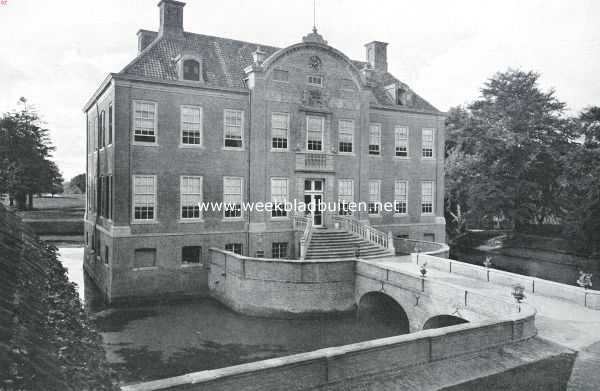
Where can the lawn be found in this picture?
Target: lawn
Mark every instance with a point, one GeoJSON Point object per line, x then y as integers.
{"type": "Point", "coordinates": [70, 206]}
{"type": "Point", "coordinates": [60, 216]}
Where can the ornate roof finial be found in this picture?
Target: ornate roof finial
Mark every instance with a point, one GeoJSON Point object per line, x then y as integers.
{"type": "Point", "coordinates": [258, 55]}
{"type": "Point", "coordinates": [314, 36]}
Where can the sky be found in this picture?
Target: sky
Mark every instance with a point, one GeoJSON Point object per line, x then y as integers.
{"type": "Point", "coordinates": [56, 53]}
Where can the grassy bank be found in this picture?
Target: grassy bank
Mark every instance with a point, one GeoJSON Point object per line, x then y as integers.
{"type": "Point", "coordinates": [58, 216]}
{"type": "Point", "coordinates": [48, 342]}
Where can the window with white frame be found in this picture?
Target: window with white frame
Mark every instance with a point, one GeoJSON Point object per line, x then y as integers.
{"type": "Point", "coordinates": [191, 197]}
{"type": "Point", "coordinates": [279, 250]}
{"type": "Point", "coordinates": [345, 195]}
{"type": "Point", "coordinates": [191, 125]}
{"type": "Point", "coordinates": [401, 140]}
{"type": "Point", "coordinates": [233, 123]}
{"type": "Point", "coordinates": [346, 136]}
{"type": "Point", "coordinates": [279, 195]}
{"type": "Point", "coordinates": [232, 197]}
{"type": "Point", "coordinates": [144, 197]}
{"type": "Point", "coordinates": [144, 122]}
{"type": "Point", "coordinates": [401, 197]}
{"type": "Point", "coordinates": [427, 142]}
{"type": "Point", "coordinates": [427, 197]}
{"type": "Point", "coordinates": [314, 133]}
{"type": "Point", "coordinates": [374, 139]}
{"type": "Point", "coordinates": [315, 80]}
{"type": "Point", "coordinates": [280, 129]}
{"type": "Point", "coordinates": [374, 197]}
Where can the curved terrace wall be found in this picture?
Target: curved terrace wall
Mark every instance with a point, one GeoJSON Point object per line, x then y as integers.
{"type": "Point", "coordinates": [281, 287]}
{"type": "Point", "coordinates": [408, 246]}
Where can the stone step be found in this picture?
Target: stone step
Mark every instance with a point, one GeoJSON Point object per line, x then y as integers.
{"type": "Point", "coordinates": [345, 250]}
{"type": "Point", "coordinates": [347, 256]}
{"type": "Point", "coordinates": [329, 244]}
{"type": "Point", "coordinates": [347, 236]}
{"type": "Point", "coordinates": [351, 252]}
{"type": "Point", "coordinates": [344, 241]}
{"type": "Point", "coordinates": [343, 246]}
{"type": "Point", "coordinates": [333, 236]}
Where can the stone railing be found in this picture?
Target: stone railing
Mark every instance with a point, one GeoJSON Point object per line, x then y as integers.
{"type": "Point", "coordinates": [366, 232]}
{"type": "Point", "coordinates": [304, 224]}
{"type": "Point", "coordinates": [586, 297]}
{"type": "Point", "coordinates": [314, 161]}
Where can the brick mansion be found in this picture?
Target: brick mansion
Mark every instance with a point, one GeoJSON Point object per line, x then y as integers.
{"type": "Point", "coordinates": [195, 118]}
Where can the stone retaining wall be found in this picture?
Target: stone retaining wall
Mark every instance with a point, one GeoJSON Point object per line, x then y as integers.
{"type": "Point", "coordinates": [333, 365]}
{"type": "Point", "coordinates": [281, 287]}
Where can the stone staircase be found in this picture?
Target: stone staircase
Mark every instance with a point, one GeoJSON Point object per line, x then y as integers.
{"type": "Point", "coordinates": [330, 243]}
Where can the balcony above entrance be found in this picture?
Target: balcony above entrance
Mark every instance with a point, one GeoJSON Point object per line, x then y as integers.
{"type": "Point", "coordinates": [314, 162]}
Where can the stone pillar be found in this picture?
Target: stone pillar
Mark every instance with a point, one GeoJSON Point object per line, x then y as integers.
{"type": "Point", "coordinates": [258, 184]}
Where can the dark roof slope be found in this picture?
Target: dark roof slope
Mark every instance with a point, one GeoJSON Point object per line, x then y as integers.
{"type": "Point", "coordinates": [223, 63]}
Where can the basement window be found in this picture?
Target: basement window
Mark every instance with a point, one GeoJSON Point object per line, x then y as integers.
{"type": "Point", "coordinates": [191, 255]}
{"type": "Point", "coordinates": [279, 250]}
{"type": "Point", "coordinates": [144, 258]}
{"type": "Point", "coordinates": [234, 248]}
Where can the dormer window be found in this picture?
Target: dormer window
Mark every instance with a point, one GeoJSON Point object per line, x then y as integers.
{"type": "Point", "coordinates": [399, 94]}
{"type": "Point", "coordinates": [400, 97]}
{"type": "Point", "coordinates": [189, 66]}
{"type": "Point", "coordinates": [191, 70]}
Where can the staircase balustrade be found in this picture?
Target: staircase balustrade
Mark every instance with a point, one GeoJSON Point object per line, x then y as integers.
{"type": "Point", "coordinates": [366, 232]}
{"type": "Point", "coordinates": [305, 225]}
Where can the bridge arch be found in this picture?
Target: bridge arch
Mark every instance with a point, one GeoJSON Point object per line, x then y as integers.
{"type": "Point", "coordinates": [383, 308]}
{"type": "Point", "coordinates": [438, 321]}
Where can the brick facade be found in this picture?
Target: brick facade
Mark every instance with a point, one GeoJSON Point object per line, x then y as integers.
{"type": "Point", "coordinates": [258, 81]}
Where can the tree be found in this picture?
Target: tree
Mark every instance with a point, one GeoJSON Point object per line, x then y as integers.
{"type": "Point", "coordinates": [581, 181]}
{"type": "Point", "coordinates": [53, 180]}
{"type": "Point", "coordinates": [25, 149]}
{"type": "Point", "coordinates": [79, 182]}
{"type": "Point", "coordinates": [504, 152]}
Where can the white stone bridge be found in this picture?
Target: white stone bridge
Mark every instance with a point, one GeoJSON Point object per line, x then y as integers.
{"type": "Point", "coordinates": [459, 326]}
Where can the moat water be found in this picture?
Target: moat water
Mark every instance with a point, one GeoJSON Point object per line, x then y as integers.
{"type": "Point", "coordinates": [565, 273]}
{"type": "Point", "coordinates": [154, 341]}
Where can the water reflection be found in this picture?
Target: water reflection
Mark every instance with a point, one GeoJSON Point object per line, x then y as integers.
{"type": "Point", "coordinates": [153, 341]}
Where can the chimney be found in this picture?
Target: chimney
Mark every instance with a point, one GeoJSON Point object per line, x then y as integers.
{"type": "Point", "coordinates": [377, 55]}
{"type": "Point", "coordinates": [171, 18]}
{"type": "Point", "coordinates": [145, 38]}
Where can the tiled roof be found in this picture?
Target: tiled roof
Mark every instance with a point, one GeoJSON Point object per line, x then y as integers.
{"type": "Point", "coordinates": [223, 63]}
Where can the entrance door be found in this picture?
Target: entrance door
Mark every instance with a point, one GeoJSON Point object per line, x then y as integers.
{"type": "Point", "coordinates": [313, 195]}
